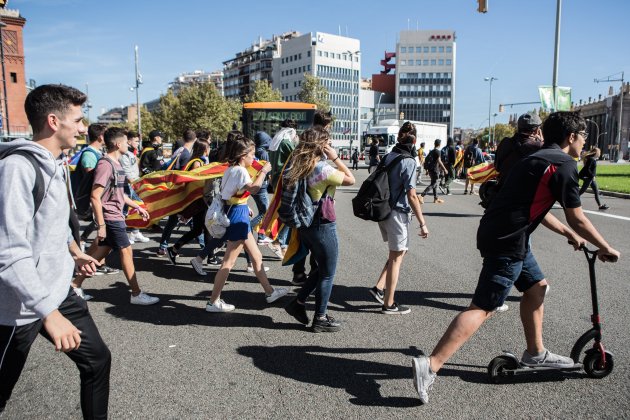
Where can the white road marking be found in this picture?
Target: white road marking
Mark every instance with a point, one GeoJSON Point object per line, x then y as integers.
{"type": "Point", "coordinates": [601, 213]}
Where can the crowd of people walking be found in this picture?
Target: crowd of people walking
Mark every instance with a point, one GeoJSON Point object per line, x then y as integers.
{"type": "Point", "coordinates": [44, 268]}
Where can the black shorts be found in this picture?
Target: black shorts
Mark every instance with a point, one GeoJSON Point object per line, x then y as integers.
{"type": "Point", "coordinates": [116, 232]}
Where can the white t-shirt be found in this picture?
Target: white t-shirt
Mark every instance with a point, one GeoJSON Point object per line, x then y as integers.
{"type": "Point", "coordinates": [234, 179]}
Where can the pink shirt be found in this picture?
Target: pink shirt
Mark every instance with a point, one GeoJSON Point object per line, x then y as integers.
{"type": "Point", "coordinates": [113, 198]}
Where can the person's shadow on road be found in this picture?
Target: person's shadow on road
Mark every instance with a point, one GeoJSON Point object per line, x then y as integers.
{"type": "Point", "coordinates": [172, 311]}
{"type": "Point", "coordinates": [327, 366]}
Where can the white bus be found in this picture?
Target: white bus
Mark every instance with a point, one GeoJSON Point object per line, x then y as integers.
{"type": "Point", "coordinates": [387, 132]}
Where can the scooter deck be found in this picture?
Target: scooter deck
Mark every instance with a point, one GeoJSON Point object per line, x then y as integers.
{"type": "Point", "coordinates": [522, 369]}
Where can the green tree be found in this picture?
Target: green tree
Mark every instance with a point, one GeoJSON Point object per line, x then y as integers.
{"type": "Point", "coordinates": [163, 117]}
{"type": "Point", "coordinates": [313, 92]}
{"type": "Point", "coordinates": [500, 131]}
{"type": "Point", "coordinates": [263, 92]}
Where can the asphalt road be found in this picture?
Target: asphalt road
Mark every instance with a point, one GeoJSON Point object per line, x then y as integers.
{"type": "Point", "coordinates": [174, 360]}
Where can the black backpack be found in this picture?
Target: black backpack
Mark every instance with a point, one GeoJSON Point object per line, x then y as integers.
{"type": "Point", "coordinates": [444, 155]}
{"type": "Point", "coordinates": [372, 200]}
{"type": "Point", "coordinates": [296, 208]}
{"type": "Point", "coordinates": [82, 189]}
{"type": "Point", "coordinates": [430, 161]}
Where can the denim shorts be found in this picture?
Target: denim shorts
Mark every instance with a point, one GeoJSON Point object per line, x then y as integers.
{"type": "Point", "coordinates": [239, 223]}
{"type": "Point", "coordinates": [499, 274]}
{"type": "Point", "coordinates": [116, 235]}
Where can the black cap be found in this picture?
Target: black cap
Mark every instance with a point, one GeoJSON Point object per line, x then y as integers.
{"type": "Point", "coordinates": [155, 133]}
{"type": "Point", "coordinates": [528, 122]}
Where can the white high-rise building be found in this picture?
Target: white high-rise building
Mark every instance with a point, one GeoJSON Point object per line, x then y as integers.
{"type": "Point", "coordinates": [425, 76]}
{"type": "Point", "coordinates": [336, 61]}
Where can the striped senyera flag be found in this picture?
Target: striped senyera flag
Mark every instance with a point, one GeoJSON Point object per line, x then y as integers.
{"type": "Point", "coordinates": [169, 192]}
{"type": "Point", "coordinates": [482, 173]}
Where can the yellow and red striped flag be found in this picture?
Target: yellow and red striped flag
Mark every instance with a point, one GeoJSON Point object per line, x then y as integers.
{"type": "Point", "coordinates": [482, 173]}
{"type": "Point", "coordinates": [169, 192]}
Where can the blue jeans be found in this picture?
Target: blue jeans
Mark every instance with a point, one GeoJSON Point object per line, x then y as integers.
{"type": "Point", "coordinates": [283, 236]}
{"type": "Point", "coordinates": [171, 223]}
{"type": "Point", "coordinates": [262, 204]}
{"type": "Point", "coordinates": [321, 241]}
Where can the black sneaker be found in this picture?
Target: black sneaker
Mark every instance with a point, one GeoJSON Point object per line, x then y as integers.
{"type": "Point", "coordinates": [214, 260]}
{"type": "Point", "coordinates": [297, 311]}
{"type": "Point", "coordinates": [604, 207]}
{"type": "Point", "coordinates": [104, 269]}
{"type": "Point", "coordinates": [326, 324]}
{"type": "Point", "coordinates": [378, 294]}
{"type": "Point", "coordinates": [171, 254]}
{"type": "Point", "coordinates": [395, 309]}
{"type": "Point", "coordinates": [299, 279]}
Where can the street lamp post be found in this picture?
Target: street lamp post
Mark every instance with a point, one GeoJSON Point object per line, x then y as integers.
{"type": "Point", "coordinates": [378, 105]}
{"type": "Point", "coordinates": [138, 83]}
{"type": "Point", "coordinates": [352, 97]}
{"type": "Point", "coordinates": [4, 81]}
{"type": "Point", "coordinates": [490, 79]}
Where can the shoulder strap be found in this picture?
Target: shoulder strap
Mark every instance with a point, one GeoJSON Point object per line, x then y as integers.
{"type": "Point", "coordinates": [146, 149]}
{"type": "Point", "coordinates": [39, 189]}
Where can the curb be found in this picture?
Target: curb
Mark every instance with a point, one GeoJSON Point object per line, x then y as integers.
{"type": "Point", "coordinates": [611, 194]}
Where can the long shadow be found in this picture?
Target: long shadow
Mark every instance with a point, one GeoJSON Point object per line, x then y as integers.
{"type": "Point", "coordinates": [346, 296]}
{"type": "Point", "coordinates": [171, 311]}
{"type": "Point", "coordinates": [326, 366]}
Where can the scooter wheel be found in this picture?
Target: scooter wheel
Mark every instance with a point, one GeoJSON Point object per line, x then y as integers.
{"type": "Point", "coordinates": [592, 368]}
{"type": "Point", "coordinates": [498, 366]}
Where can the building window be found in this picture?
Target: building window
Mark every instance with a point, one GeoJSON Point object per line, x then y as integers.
{"type": "Point", "coordinates": [403, 50]}
{"type": "Point", "coordinates": [433, 49]}
{"type": "Point", "coordinates": [418, 62]}
{"type": "Point", "coordinates": [449, 49]}
{"type": "Point", "coordinates": [426, 49]}
{"type": "Point", "coordinates": [13, 77]}
{"type": "Point", "coordinates": [299, 56]}
{"type": "Point", "coordinates": [403, 62]}
{"type": "Point", "coordinates": [441, 49]}
{"type": "Point", "coordinates": [425, 62]}
{"type": "Point", "coordinates": [319, 53]}
{"type": "Point", "coordinates": [433, 62]}
{"type": "Point", "coordinates": [440, 62]}
{"type": "Point", "coordinates": [309, 67]}
{"type": "Point", "coordinates": [418, 50]}
{"type": "Point", "coordinates": [326, 54]}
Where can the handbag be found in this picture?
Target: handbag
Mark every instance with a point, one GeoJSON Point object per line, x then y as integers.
{"type": "Point", "coordinates": [327, 207]}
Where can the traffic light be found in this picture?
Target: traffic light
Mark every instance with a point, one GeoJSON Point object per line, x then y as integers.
{"type": "Point", "coordinates": [501, 108]}
{"type": "Point", "coordinates": [482, 6]}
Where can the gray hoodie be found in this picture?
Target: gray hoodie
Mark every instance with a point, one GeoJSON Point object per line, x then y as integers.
{"type": "Point", "coordinates": [35, 264]}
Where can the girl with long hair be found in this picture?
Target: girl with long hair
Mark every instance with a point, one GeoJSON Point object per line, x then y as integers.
{"type": "Point", "coordinates": [320, 238]}
{"type": "Point", "coordinates": [587, 175]}
{"type": "Point", "coordinates": [239, 154]}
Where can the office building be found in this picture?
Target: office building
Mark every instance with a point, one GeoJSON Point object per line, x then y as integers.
{"type": "Point", "coordinates": [425, 76]}
{"type": "Point", "coordinates": [336, 61]}
{"type": "Point", "coordinates": [197, 76]}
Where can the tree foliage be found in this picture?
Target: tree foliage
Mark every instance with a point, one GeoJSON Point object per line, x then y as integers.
{"type": "Point", "coordinates": [500, 131]}
{"type": "Point", "coordinates": [313, 92]}
{"type": "Point", "coordinates": [263, 92]}
{"type": "Point", "coordinates": [197, 106]}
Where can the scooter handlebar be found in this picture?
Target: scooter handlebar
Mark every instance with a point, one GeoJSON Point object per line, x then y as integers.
{"type": "Point", "coordinates": [593, 252]}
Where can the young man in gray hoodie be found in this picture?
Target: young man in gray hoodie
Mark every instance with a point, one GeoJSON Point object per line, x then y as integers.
{"type": "Point", "coordinates": [38, 254]}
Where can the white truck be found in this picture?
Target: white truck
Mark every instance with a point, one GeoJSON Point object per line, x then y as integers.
{"type": "Point", "coordinates": [387, 132]}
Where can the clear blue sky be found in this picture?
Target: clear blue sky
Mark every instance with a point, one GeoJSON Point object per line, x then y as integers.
{"type": "Point", "coordinates": [78, 42]}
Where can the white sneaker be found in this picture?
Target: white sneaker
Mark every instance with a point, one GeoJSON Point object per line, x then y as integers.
{"type": "Point", "coordinates": [138, 237]}
{"type": "Point", "coordinates": [277, 249]}
{"type": "Point", "coordinates": [502, 308]}
{"type": "Point", "coordinates": [277, 293]}
{"type": "Point", "coordinates": [198, 266]}
{"type": "Point", "coordinates": [144, 299]}
{"type": "Point", "coordinates": [219, 306]}
{"type": "Point", "coordinates": [250, 269]}
{"type": "Point", "coordinates": [79, 292]}
{"type": "Point", "coordinates": [264, 240]}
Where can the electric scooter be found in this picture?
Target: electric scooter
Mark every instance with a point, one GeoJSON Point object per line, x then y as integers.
{"type": "Point", "coordinates": [597, 363]}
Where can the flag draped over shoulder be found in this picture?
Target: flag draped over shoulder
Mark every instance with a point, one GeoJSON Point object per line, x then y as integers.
{"type": "Point", "coordinates": [169, 192]}
{"type": "Point", "coordinates": [482, 173]}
